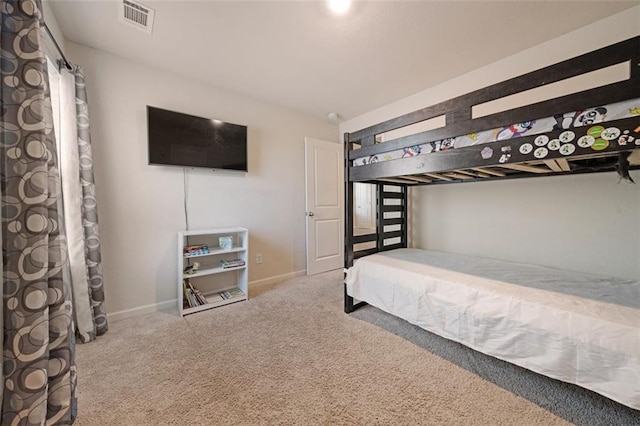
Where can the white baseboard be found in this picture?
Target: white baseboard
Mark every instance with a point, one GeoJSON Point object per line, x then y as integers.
{"type": "Point", "coordinates": [277, 278]}
{"type": "Point", "coordinates": [169, 305]}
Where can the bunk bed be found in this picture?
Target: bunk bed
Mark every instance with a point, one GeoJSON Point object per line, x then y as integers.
{"type": "Point", "coordinates": [575, 327]}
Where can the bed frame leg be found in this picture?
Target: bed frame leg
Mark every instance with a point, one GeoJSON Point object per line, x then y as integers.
{"type": "Point", "coordinates": [348, 302]}
{"type": "Point", "coordinates": [349, 306]}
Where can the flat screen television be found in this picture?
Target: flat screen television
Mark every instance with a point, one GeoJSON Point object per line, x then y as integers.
{"type": "Point", "coordinates": [185, 140]}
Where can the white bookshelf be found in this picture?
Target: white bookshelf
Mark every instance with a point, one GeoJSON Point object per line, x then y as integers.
{"type": "Point", "coordinates": [211, 278]}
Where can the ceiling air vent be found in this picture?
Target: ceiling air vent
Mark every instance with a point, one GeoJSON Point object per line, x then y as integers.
{"type": "Point", "coordinates": [137, 15]}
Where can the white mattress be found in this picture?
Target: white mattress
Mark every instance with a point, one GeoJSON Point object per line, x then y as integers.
{"type": "Point", "coordinates": [574, 327]}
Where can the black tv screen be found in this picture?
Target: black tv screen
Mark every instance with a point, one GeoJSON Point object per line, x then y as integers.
{"type": "Point", "coordinates": [185, 140]}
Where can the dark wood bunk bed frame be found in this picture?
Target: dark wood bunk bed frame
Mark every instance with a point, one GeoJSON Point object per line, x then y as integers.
{"type": "Point", "coordinates": [466, 164]}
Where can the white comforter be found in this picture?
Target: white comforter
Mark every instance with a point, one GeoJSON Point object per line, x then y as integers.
{"type": "Point", "coordinates": [574, 327]}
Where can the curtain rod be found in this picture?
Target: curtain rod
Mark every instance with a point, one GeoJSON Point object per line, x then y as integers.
{"type": "Point", "coordinates": [64, 60]}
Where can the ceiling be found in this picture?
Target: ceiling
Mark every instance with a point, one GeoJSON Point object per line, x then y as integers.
{"type": "Point", "coordinates": [299, 55]}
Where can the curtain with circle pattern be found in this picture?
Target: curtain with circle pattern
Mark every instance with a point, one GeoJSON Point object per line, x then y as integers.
{"type": "Point", "coordinates": [38, 345]}
{"type": "Point", "coordinates": [93, 257]}
{"type": "Point", "coordinates": [81, 215]}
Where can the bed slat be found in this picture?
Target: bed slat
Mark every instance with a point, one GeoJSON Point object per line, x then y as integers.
{"type": "Point", "coordinates": [489, 172]}
{"type": "Point", "coordinates": [420, 179]}
{"type": "Point", "coordinates": [439, 176]}
{"type": "Point", "coordinates": [473, 174]}
{"type": "Point", "coordinates": [564, 164]}
{"type": "Point", "coordinates": [553, 165]}
{"type": "Point", "coordinates": [396, 180]}
{"type": "Point", "coordinates": [526, 168]}
{"type": "Point", "coordinates": [457, 175]}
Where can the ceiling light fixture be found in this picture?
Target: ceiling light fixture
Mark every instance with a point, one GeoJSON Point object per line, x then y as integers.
{"type": "Point", "coordinates": [339, 6]}
{"type": "Point", "coordinates": [333, 116]}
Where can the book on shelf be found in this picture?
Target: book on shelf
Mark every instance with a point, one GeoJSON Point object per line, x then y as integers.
{"type": "Point", "coordinates": [195, 250]}
{"type": "Point", "coordinates": [236, 292]}
{"type": "Point", "coordinates": [216, 297]}
{"type": "Point", "coordinates": [198, 294]}
{"type": "Point", "coordinates": [193, 296]}
{"type": "Point", "coordinates": [230, 294]}
{"type": "Point", "coordinates": [232, 263]}
{"type": "Point", "coordinates": [186, 302]}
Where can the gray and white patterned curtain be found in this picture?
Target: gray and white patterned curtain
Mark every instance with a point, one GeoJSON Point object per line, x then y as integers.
{"type": "Point", "coordinates": [81, 216]}
{"type": "Point", "coordinates": [38, 341]}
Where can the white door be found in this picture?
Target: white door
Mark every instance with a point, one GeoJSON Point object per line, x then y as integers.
{"type": "Point", "coordinates": [324, 205]}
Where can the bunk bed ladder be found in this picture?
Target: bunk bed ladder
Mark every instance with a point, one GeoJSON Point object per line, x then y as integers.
{"type": "Point", "coordinates": [391, 216]}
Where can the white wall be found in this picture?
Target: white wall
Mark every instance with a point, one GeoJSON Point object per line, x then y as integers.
{"type": "Point", "coordinates": [141, 207]}
{"type": "Point", "coordinates": [49, 47]}
{"type": "Point", "coordinates": [588, 223]}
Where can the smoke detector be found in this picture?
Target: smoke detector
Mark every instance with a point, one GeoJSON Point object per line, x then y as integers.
{"type": "Point", "coordinates": [136, 14]}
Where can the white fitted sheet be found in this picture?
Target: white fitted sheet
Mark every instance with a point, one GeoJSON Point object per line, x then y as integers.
{"type": "Point", "coordinates": [575, 327]}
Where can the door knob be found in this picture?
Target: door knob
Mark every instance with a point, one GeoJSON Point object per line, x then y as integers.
{"type": "Point", "coordinates": [310, 214]}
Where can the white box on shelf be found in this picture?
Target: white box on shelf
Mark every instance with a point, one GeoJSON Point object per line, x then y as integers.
{"type": "Point", "coordinates": [225, 243]}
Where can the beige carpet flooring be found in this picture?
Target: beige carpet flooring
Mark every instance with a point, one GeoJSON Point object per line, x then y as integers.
{"type": "Point", "coordinates": [287, 356]}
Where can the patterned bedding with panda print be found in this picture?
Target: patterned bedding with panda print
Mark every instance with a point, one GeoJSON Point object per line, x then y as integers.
{"type": "Point", "coordinates": [562, 121]}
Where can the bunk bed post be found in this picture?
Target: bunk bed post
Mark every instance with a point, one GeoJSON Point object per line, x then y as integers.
{"type": "Point", "coordinates": [380, 216]}
{"type": "Point", "coordinates": [405, 217]}
{"type": "Point", "coordinates": [348, 222]}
